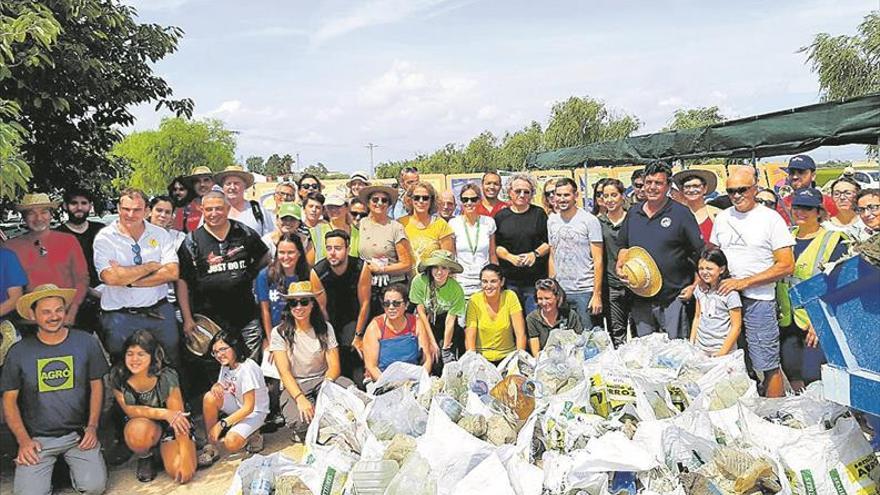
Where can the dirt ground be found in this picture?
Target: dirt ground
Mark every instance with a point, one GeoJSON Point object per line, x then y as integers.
{"type": "Point", "coordinates": [214, 480]}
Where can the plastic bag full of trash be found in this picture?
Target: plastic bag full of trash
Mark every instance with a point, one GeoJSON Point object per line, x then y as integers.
{"type": "Point", "coordinates": [397, 412]}
{"type": "Point", "coordinates": [339, 420]}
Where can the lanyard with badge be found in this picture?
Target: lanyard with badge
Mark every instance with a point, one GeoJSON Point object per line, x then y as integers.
{"type": "Point", "coordinates": [472, 244]}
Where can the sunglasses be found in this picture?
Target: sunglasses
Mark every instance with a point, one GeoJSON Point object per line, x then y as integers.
{"type": "Point", "coordinates": [380, 200]}
{"type": "Point", "coordinates": [392, 304]}
{"type": "Point", "coordinates": [40, 248]}
{"type": "Point", "coordinates": [737, 190]}
{"type": "Point", "coordinates": [421, 198]}
{"type": "Point", "coordinates": [299, 302]}
{"type": "Point", "coordinates": [547, 284]}
{"type": "Point", "coordinates": [136, 249]}
{"type": "Point", "coordinates": [872, 209]}
{"type": "Point", "coordinates": [359, 214]}
{"type": "Point", "coordinates": [469, 199]}
{"type": "Point", "coordinates": [522, 192]}
{"type": "Point", "coordinates": [638, 185]}
{"type": "Point", "coordinates": [309, 186]}
{"type": "Point", "coordinates": [767, 202]}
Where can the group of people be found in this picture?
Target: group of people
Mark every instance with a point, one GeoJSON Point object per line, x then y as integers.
{"type": "Point", "coordinates": [212, 306]}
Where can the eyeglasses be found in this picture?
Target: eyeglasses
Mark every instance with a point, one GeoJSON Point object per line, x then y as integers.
{"type": "Point", "coordinates": [136, 249]}
{"type": "Point", "coordinates": [380, 200]}
{"type": "Point", "coordinates": [359, 214]}
{"type": "Point", "coordinates": [737, 190]}
{"type": "Point", "coordinates": [299, 302]}
{"type": "Point", "coordinates": [522, 192]}
{"type": "Point", "coordinates": [469, 199]}
{"type": "Point", "coordinates": [285, 195]}
{"type": "Point", "coordinates": [843, 194]}
{"type": "Point", "coordinates": [872, 209]}
{"type": "Point", "coordinates": [638, 185]}
{"type": "Point", "coordinates": [309, 186]}
{"type": "Point", "coordinates": [40, 248]}
{"type": "Point", "coordinates": [421, 198]}
{"type": "Point", "coordinates": [769, 203]}
{"type": "Point", "coordinates": [392, 304]}
{"type": "Point", "coordinates": [220, 350]}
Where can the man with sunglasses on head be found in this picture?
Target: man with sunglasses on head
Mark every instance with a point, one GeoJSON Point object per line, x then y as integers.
{"type": "Point", "coordinates": [802, 174]}
{"type": "Point", "coordinates": [136, 260]}
{"type": "Point", "coordinates": [49, 257]}
{"type": "Point", "coordinates": [409, 177]}
{"type": "Point", "coordinates": [758, 246]}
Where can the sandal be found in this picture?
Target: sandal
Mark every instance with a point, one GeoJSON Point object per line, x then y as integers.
{"type": "Point", "coordinates": [146, 469]}
{"type": "Point", "coordinates": [255, 443]}
{"type": "Point", "coordinates": [208, 456]}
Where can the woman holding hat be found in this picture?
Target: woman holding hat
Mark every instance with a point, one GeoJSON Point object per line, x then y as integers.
{"type": "Point", "coordinates": [494, 323]}
{"type": "Point", "coordinates": [305, 351]}
{"type": "Point", "coordinates": [395, 336]}
{"type": "Point", "coordinates": [474, 239]}
{"type": "Point", "coordinates": [426, 232]}
{"type": "Point", "coordinates": [694, 185]}
{"type": "Point", "coordinates": [336, 208]}
{"type": "Point", "coordinates": [440, 301]}
{"type": "Point", "coordinates": [383, 243]}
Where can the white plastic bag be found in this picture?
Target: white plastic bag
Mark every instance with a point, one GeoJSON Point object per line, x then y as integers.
{"type": "Point", "coordinates": [339, 420]}
{"type": "Point", "coordinates": [399, 372]}
{"type": "Point", "coordinates": [396, 412]}
{"type": "Point", "coordinates": [489, 476]}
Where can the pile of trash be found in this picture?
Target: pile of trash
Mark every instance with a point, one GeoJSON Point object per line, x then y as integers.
{"type": "Point", "coordinates": [654, 416]}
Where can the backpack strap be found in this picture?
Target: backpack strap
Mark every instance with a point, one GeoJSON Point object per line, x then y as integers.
{"type": "Point", "coordinates": [258, 214]}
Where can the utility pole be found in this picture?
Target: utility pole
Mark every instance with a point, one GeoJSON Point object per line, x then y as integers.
{"type": "Point", "coordinates": [371, 146]}
{"type": "Point", "coordinates": [296, 163]}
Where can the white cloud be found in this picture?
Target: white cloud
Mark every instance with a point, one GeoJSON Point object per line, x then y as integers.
{"type": "Point", "coordinates": [407, 91]}
{"type": "Point", "coordinates": [274, 32]}
{"type": "Point", "coordinates": [374, 13]}
{"type": "Point", "coordinates": [672, 101]}
{"type": "Point", "coordinates": [226, 108]}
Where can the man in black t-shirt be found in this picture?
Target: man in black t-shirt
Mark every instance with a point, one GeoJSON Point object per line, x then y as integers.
{"type": "Point", "coordinates": [521, 240]}
{"type": "Point", "coordinates": [336, 279]}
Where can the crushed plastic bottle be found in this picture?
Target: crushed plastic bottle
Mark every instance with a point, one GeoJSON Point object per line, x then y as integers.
{"type": "Point", "coordinates": [264, 479]}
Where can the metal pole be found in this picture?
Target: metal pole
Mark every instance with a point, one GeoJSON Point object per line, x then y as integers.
{"type": "Point", "coordinates": [371, 146]}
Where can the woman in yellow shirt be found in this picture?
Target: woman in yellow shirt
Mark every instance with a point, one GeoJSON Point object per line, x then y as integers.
{"type": "Point", "coordinates": [425, 231]}
{"type": "Point", "coordinates": [494, 325]}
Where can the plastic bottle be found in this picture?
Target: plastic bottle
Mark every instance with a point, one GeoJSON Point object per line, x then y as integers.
{"type": "Point", "coordinates": [264, 479]}
{"type": "Point", "coordinates": [372, 477]}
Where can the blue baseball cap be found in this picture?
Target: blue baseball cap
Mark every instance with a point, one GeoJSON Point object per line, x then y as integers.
{"type": "Point", "coordinates": [808, 197]}
{"type": "Point", "coordinates": [801, 162]}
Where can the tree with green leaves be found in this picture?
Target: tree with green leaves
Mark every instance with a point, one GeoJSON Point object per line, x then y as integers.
{"type": "Point", "coordinates": [691, 118]}
{"type": "Point", "coordinates": [74, 97]}
{"type": "Point", "coordinates": [277, 165]}
{"type": "Point", "coordinates": [519, 145]}
{"type": "Point", "coordinates": [847, 66]}
{"type": "Point", "coordinates": [24, 39]}
{"type": "Point", "coordinates": [256, 164]}
{"type": "Point", "coordinates": [155, 157]}
{"type": "Point", "coordinates": [319, 170]}
{"type": "Point", "coordinates": [579, 121]}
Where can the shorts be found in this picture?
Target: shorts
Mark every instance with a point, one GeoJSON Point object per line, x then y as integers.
{"type": "Point", "coordinates": [762, 333]}
{"type": "Point", "coordinates": [250, 424]}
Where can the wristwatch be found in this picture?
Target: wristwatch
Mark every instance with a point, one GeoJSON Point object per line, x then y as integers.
{"type": "Point", "coordinates": [537, 254]}
{"type": "Point", "coordinates": [224, 424]}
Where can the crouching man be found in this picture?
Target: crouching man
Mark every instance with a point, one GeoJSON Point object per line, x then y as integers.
{"type": "Point", "coordinates": [52, 397]}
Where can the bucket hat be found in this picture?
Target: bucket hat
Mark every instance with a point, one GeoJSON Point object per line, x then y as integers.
{"type": "Point", "coordinates": [441, 257]}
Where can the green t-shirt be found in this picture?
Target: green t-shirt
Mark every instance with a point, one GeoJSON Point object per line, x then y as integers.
{"type": "Point", "coordinates": [449, 298]}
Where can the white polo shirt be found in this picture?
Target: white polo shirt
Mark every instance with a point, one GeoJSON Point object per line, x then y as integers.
{"type": "Point", "coordinates": [156, 244]}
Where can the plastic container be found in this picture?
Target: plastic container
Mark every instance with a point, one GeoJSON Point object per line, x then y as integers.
{"type": "Point", "coordinates": [373, 477]}
{"type": "Point", "coordinates": [264, 479]}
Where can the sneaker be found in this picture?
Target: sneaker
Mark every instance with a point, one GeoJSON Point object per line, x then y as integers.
{"type": "Point", "coordinates": [146, 469]}
{"type": "Point", "coordinates": [208, 456]}
{"type": "Point", "coordinates": [255, 443]}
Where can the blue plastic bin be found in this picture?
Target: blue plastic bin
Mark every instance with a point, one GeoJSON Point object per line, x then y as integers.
{"type": "Point", "coordinates": [844, 308]}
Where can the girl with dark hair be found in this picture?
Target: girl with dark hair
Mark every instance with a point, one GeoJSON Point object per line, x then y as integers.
{"type": "Point", "coordinates": [307, 184]}
{"type": "Point", "coordinates": [240, 394]}
{"type": "Point", "coordinates": [305, 351]}
{"type": "Point", "coordinates": [843, 192]}
{"type": "Point", "coordinates": [598, 199]}
{"type": "Point", "coordinates": [148, 392]}
{"type": "Point", "coordinates": [395, 335]}
{"type": "Point", "coordinates": [553, 313]}
{"type": "Point", "coordinates": [494, 324]}
{"type": "Point", "coordinates": [288, 266]}
{"type": "Point", "coordinates": [718, 319]}
{"type": "Point", "coordinates": [616, 298]}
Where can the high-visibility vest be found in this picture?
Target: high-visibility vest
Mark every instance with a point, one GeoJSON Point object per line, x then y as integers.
{"type": "Point", "coordinates": [809, 263]}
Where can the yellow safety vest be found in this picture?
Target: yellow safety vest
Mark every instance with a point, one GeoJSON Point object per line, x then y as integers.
{"type": "Point", "coordinates": [809, 263]}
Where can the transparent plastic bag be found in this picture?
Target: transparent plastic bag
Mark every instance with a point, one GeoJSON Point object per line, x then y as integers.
{"type": "Point", "coordinates": [397, 412]}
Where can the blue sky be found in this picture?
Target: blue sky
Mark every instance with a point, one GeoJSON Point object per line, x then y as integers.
{"type": "Point", "coordinates": [323, 79]}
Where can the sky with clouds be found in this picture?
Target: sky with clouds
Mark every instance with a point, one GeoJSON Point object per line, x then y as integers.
{"type": "Point", "coordinates": [324, 79]}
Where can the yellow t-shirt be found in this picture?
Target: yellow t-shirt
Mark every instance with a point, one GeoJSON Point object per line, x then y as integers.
{"type": "Point", "coordinates": [495, 337]}
{"type": "Point", "coordinates": [425, 241]}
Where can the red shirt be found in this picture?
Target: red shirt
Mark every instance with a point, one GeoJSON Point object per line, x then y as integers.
{"type": "Point", "coordinates": [706, 229]}
{"type": "Point", "coordinates": [188, 218]}
{"type": "Point", "coordinates": [500, 205]}
{"type": "Point", "coordinates": [827, 203]}
{"type": "Point", "coordinates": [62, 262]}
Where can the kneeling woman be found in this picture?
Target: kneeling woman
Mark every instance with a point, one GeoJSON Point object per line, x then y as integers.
{"type": "Point", "coordinates": [553, 313]}
{"type": "Point", "coordinates": [305, 352]}
{"type": "Point", "coordinates": [494, 324]}
{"type": "Point", "coordinates": [240, 394]}
{"type": "Point", "coordinates": [439, 301]}
{"type": "Point", "coordinates": [395, 335]}
{"type": "Point", "coordinates": [149, 394]}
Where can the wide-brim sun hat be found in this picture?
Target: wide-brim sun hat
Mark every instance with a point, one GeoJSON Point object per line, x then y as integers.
{"type": "Point", "coordinates": [235, 171]}
{"type": "Point", "coordinates": [707, 176]}
{"type": "Point", "coordinates": [199, 171]}
{"type": "Point", "coordinates": [36, 200]}
{"type": "Point", "coordinates": [642, 274]}
{"type": "Point", "coordinates": [25, 302]}
{"type": "Point", "coordinates": [364, 194]}
{"type": "Point", "coordinates": [8, 336]}
{"type": "Point", "coordinates": [199, 340]}
{"type": "Point", "coordinates": [299, 289]}
{"type": "Point", "coordinates": [441, 257]}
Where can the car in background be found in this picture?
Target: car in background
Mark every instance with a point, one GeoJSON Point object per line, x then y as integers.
{"type": "Point", "coordinates": [868, 179]}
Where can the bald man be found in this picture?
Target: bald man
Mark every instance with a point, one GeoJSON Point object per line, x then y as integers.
{"type": "Point", "coordinates": [758, 247]}
{"type": "Point", "coordinates": [446, 204]}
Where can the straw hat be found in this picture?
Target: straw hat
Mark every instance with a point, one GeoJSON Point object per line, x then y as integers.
{"type": "Point", "coordinates": [441, 257]}
{"type": "Point", "coordinates": [36, 200]}
{"type": "Point", "coordinates": [199, 340]}
{"type": "Point", "coordinates": [299, 289]}
{"type": "Point", "coordinates": [642, 274]}
{"type": "Point", "coordinates": [199, 171]}
{"type": "Point", "coordinates": [23, 306]}
{"type": "Point", "coordinates": [708, 177]}
{"type": "Point", "coordinates": [8, 336]}
{"type": "Point", "coordinates": [236, 171]}
{"type": "Point", "coordinates": [364, 194]}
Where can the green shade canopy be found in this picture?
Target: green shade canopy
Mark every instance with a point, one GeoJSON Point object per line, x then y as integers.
{"type": "Point", "coordinates": [787, 132]}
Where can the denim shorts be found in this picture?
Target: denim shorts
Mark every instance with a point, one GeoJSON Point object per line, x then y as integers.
{"type": "Point", "coordinates": [762, 333]}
